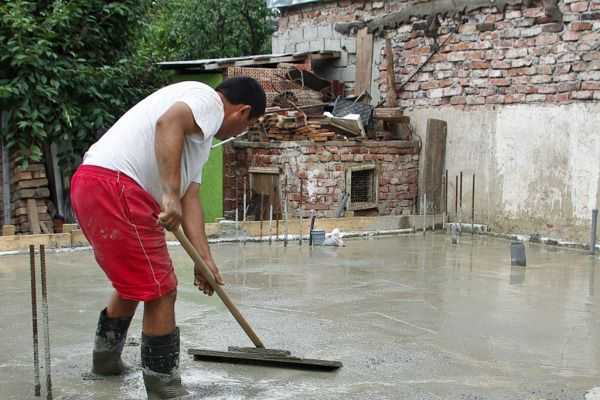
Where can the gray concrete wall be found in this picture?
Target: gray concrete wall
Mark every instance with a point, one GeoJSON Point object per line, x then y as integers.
{"type": "Point", "coordinates": [537, 166]}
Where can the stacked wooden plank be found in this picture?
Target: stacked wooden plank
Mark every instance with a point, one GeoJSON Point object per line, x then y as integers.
{"type": "Point", "coordinates": [30, 196]}
{"type": "Point", "coordinates": [293, 126]}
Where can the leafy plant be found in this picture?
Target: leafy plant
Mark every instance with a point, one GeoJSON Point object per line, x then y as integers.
{"type": "Point", "coordinates": [191, 29]}
{"type": "Point", "coordinates": [67, 72]}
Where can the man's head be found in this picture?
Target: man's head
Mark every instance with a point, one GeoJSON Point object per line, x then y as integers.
{"type": "Point", "coordinates": [244, 102]}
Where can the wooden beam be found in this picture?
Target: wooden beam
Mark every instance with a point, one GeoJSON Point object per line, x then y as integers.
{"type": "Point", "coordinates": [364, 63]}
{"type": "Point", "coordinates": [435, 159]}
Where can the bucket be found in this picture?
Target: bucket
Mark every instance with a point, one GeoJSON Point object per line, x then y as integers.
{"type": "Point", "coordinates": [517, 254]}
{"type": "Point", "coordinates": [317, 237]}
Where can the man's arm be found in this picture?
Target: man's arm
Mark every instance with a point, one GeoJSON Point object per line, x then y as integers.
{"type": "Point", "coordinates": [193, 226]}
{"type": "Point", "coordinates": [171, 129]}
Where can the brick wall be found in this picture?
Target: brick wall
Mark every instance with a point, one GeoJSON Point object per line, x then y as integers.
{"type": "Point", "coordinates": [517, 55]}
{"type": "Point", "coordinates": [322, 169]}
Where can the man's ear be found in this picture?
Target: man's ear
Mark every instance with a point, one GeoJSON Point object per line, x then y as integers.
{"type": "Point", "coordinates": [245, 111]}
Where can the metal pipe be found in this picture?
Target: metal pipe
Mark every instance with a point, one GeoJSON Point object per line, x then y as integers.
{"type": "Point", "coordinates": [300, 209]}
{"type": "Point", "coordinates": [460, 197]}
{"type": "Point", "coordinates": [271, 223]}
{"type": "Point", "coordinates": [594, 227]}
{"type": "Point", "coordinates": [473, 207]}
{"type": "Point", "coordinates": [446, 200]}
{"type": "Point", "coordinates": [456, 199]}
{"type": "Point", "coordinates": [34, 324]}
{"type": "Point", "coordinates": [244, 210]}
{"type": "Point", "coordinates": [46, 323]}
{"type": "Point", "coordinates": [424, 213]}
{"type": "Point", "coordinates": [285, 206]}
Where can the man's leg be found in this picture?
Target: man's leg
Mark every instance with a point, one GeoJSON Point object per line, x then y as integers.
{"type": "Point", "coordinates": [160, 349]}
{"type": "Point", "coordinates": [159, 315]}
{"type": "Point", "coordinates": [111, 333]}
{"type": "Point", "coordinates": [119, 308]}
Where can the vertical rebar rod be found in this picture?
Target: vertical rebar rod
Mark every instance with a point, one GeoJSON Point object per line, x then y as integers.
{"type": "Point", "coordinates": [424, 213]}
{"type": "Point", "coordinates": [244, 210]}
{"type": "Point", "coordinates": [446, 196]}
{"type": "Point", "coordinates": [46, 323]}
{"type": "Point", "coordinates": [261, 215]}
{"type": "Point", "coordinates": [285, 206]}
{"type": "Point", "coordinates": [271, 223]}
{"type": "Point", "coordinates": [237, 224]}
{"type": "Point", "coordinates": [300, 210]}
{"type": "Point", "coordinates": [460, 193]}
{"type": "Point", "coordinates": [34, 324]}
{"type": "Point", "coordinates": [456, 199]}
{"type": "Point", "coordinates": [473, 208]}
{"type": "Point", "coordinates": [594, 227]}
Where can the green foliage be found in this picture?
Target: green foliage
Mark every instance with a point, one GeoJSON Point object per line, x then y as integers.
{"type": "Point", "coordinates": [70, 68]}
{"type": "Point", "coordinates": [66, 72]}
{"type": "Point", "coordinates": [192, 29]}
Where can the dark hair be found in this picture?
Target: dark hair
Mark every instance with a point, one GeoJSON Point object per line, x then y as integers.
{"type": "Point", "coordinates": [245, 90]}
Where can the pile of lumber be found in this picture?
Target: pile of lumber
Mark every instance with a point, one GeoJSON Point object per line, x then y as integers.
{"type": "Point", "coordinates": [293, 125]}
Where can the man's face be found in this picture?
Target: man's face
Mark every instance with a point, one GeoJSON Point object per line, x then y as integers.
{"type": "Point", "coordinates": [240, 121]}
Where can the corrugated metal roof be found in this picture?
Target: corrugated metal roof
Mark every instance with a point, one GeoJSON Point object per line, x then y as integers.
{"type": "Point", "coordinates": [288, 3]}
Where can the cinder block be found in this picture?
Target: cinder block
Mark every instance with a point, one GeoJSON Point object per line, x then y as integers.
{"type": "Point", "coordinates": [302, 46]}
{"type": "Point", "coordinates": [333, 44]}
{"type": "Point", "coordinates": [310, 32]}
{"type": "Point", "coordinates": [296, 35]}
{"type": "Point", "coordinates": [349, 73]}
{"type": "Point", "coordinates": [349, 44]}
{"type": "Point", "coordinates": [290, 47]}
{"type": "Point", "coordinates": [277, 45]}
{"type": "Point", "coordinates": [325, 31]}
{"type": "Point", "coordinates": [318, 44]}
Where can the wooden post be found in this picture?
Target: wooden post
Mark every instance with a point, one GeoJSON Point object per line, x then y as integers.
{"type": "Point", "coordinates": [364, 62]}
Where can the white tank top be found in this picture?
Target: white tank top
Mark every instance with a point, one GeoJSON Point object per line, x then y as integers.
{"type": "Point", "coordinates": [128, 146]}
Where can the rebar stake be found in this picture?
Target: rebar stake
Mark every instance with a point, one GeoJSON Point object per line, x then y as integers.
{"type": "Point", "coordinates": [46, 323]}
{"type": "Point", "coordinates": [34, 323]}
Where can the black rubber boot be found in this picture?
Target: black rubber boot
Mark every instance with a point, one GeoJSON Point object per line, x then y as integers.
{"type": "Point", "coordinates": [160, 366]}
{"type": "Point", "coordinates": [108, 346]}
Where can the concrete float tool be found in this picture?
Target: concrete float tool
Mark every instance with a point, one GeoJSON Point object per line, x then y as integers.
{"type": "Point", "coordinates": [258, 355]}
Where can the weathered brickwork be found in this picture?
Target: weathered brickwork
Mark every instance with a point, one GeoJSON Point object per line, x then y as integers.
{"type": "Point", "coordinates": [322, 170]}
{"type": "Point", "coordinates": [489, 56]}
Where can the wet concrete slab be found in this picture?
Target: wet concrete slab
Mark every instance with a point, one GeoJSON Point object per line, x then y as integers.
{"type": "Point", "coordinates": [410, 318]}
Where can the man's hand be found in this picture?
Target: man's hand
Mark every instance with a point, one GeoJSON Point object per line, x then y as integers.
{"type": "Point", "coordinates": [201, 283]}
{"type": "Point", "coordinates": [171, 215]}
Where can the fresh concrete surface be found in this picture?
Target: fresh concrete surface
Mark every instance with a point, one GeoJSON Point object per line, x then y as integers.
{"type": "Point", "coordinates": [410, 318]}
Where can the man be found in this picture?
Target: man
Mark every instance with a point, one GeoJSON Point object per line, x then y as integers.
{"type": "Point", "coordinates": [143, 176]}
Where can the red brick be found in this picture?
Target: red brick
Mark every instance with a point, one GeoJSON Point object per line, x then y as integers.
{"type": "Point", "coordinates": [580, 6]}
{"type": "Point", "coordinates": [570, 36]}
{"type": "Point", "coordinates": [590, 86]}
{"type": "Point", "coordinates": [582, 95]}
{"type": "Point", "coordinates": [580, 26]}
{"type": "Point", "coordinates": [546, 38]}
{"type": "Point", "coordinates": [458, 100]}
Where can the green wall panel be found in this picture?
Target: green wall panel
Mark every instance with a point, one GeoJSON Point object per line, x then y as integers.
{"type": "Point", "coordinates": [211, 192]}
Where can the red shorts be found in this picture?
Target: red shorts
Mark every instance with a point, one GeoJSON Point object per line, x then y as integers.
{"type": "Point", "coordinates": [119, 219]}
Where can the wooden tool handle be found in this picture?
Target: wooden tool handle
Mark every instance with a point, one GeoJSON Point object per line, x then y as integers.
{"type": "Point", "coordinates": [207, 274]}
